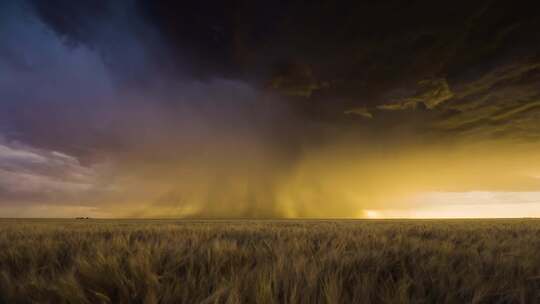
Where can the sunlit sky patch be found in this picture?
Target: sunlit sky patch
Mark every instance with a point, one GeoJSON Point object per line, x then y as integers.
{"type": "Point", "coordinates": [474, 204]}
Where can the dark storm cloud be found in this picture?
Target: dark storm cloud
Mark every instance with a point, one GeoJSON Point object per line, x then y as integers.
{"type": "Point", "coordinates": [366, 55]}
{"type": "Point", "coordinates": [501, 102]}
{"type": "Point", "coordinates": [474, 65]}
{"type": "Point", "coordinates": [384, 55]}
{"type": "Point", "coordinates": [112, 29]}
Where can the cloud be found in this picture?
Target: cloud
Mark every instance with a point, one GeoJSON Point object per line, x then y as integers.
{"type": "Point", "coordinates": [360, 111]}
{"type": "Point", "coordinates": [430, 93]}
{"type": "Point", "coordinates": [10, 156]}
{"type": "Point", "coordinates": [503, 101]}
{"type": "Point", "coordinates": [30, 175]}
{"type": "Point", "coordinates": [295, 79]}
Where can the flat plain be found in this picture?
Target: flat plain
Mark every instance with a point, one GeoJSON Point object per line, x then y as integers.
{"type": "Point", "coordinates": [269, 261]}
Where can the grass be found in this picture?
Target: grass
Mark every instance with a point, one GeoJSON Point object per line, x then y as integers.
{"type": "Point", "coordinates": [102, 261]}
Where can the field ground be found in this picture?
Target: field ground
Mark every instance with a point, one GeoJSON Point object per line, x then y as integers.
{"type": "Point", "coordinates": [365, 261]}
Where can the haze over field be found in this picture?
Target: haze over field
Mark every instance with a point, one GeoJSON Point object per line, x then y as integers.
{"type": "Point", "coordinates": [264, 109]}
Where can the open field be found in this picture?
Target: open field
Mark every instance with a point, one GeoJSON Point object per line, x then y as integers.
{"type": "Point", "coordinates": [166, 261]}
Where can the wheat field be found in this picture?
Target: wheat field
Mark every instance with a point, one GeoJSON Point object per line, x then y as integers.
{"type": "Point", "coordinates": [248, 261]}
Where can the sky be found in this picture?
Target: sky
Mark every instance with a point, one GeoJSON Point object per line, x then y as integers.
{"type": "Point", "coordinates": [269, 109]}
